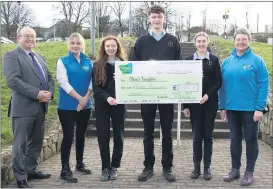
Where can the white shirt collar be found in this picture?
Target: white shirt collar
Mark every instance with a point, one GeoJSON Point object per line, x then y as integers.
{"type": "Point", "coordinates": [195, 56]}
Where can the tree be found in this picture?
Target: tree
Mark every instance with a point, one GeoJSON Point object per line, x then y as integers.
{"type": "Point", "coordinates": [75, 13]}
{"type": "Point", "coordinates": [213, 27]}
{"type": "Point", "coordinates": [118, 9]}
{"type": "Point", "coordinates": [179, 27]}
{"type": "Point", "coordinates": [232, 29]}
{"type": "Point", "coordinates": [196, 29]}
{"type": "Point", "coordinates": [10, 15]}
{"type": "Point", "coordinates": [102, 16]}
{"type": "Point", "coordinates": [247, 24]}
{"type": "Point", "coordinates": [204, 17]}
{"type": "Point", "coordinates": [188, 26]}
{"type": "Point", "coordinates": [140, 22]}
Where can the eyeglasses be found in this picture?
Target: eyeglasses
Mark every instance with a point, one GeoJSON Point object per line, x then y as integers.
{"type": "Point", "coordinates": [28, 36]}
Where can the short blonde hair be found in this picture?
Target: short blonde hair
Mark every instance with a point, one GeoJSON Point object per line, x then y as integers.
{"type": "Point", "coordinates": [242, 31]}
{"type": "Point", "coordinates": [79, 37]}
{"type": "Point", "coordinates": [201, 34]}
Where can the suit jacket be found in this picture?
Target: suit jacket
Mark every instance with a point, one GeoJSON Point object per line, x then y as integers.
{"type": "Point", "coordinates": [24, 81]}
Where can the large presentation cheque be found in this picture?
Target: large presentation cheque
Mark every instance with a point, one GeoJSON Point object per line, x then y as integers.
{"type": "Point", "coordinates": [144, 82]}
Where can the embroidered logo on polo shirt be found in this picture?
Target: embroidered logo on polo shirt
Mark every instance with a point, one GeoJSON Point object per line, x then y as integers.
{"type": "Point", "coordinates": [210, 62]}
{"type": "Point", "coordinates": [170, 44]}
{"type": "Point", "coordinates": [246, 66]}
{"type": "Point", "coordinates": [85, 68]}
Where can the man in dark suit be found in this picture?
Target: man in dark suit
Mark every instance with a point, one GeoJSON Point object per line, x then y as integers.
{"type": "Point", "coordinates": [32, 86]}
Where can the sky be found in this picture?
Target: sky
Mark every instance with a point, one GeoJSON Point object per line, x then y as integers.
{"type": "Point", "coordinates": [45, 14]}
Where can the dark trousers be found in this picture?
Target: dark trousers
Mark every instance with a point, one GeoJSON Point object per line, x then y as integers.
{"type": "Point", "coordinates": [239, 121]}
{"type": "Point", "coordinates": [202, 119]}
{"type": "Point", "coordinates": [28, 137]}
{"type": "Point", "coordinates": [148, 112]}
{"type": "Point", "coordinates": [68, 118]}
{"type": "Point", "coordinates": [103, 113]}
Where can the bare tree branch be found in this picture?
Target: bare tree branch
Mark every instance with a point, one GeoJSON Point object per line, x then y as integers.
{"type": "Point", "coordinates": [75, 14]}
{"type": "Point", "coordinates": [118, 9]}
{"type": "Point", "coordinates": [11, 18]}
{"type": "Point", "coordinates": [103, 12]}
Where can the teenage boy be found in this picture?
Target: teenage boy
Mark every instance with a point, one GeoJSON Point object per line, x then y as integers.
{"type": "Point", "coordinates": [157, 45]}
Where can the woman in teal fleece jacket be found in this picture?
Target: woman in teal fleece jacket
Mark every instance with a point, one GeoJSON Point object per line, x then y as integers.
{"type": "Point", "coordinates": [243, 97]}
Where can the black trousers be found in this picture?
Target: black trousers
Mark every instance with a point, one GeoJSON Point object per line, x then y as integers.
{"type": "Point", "coordinates": [103, 113]}
{"type": "Point", "coordinates": [68, 118]}
{"type": "Point", "coordinates": [202, 119]}
{"type": "Point", "coordinates": [148, 112]}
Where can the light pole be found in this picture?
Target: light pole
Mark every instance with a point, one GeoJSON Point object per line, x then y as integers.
{"type": "Point", "coordinates": [19, 6]}
{"type": "Point", "coordinates": [225, 17]}
{"type": "Point", "coordinates": [92, 30]}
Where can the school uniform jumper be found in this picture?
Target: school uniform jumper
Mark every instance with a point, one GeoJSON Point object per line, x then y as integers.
{"type": "Point", "coordinates": [104, 112]}
{"type": "Point", "coordinates": [202, 116]}
{"type": "Point", "coordinates": [149, 47]}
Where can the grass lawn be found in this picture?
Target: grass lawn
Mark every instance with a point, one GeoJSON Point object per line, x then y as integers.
{"type": "Point", "coordinates": [51, 51]}
{"type": "Point", "coordinates": [262, 49]}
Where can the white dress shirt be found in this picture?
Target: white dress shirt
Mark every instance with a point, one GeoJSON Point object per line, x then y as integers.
{"type": "Point", "coordinates": [62, 78]}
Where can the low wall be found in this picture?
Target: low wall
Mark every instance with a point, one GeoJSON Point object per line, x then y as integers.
{"type": "Point", "coordinates": [266, 125]}
{"type": "Point", "coordinates": [51, 146]}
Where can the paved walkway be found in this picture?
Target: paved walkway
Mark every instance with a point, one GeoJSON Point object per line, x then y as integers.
{"type": "Point", "coordinates": [132, 166]}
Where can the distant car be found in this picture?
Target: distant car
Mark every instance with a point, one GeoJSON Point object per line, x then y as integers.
{"type": "Point", "coordinates": [38, 39]}
{"type": "Point", "coordinates": [56, 39]}
{"type": "Point", "coordinates": [6, 40]}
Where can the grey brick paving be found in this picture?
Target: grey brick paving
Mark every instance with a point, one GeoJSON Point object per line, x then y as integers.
{"type": "Point", "coordinates": [132, 165]}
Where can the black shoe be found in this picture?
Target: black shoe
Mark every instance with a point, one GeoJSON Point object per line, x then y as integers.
{"type": "Point", "coordinates": [82, 168]}
{"type": "Point", "coordinates": [146, 174]}
{"type": "Point", "coordinates": [207, 174]}
{"type": "Point", "coordinates": [105, 175]}
{"type": "Point", "coordinates": [23, 184]}
{"type": "Point", "coordinates": [195, 173]}
{"type": "Point", "coordinates": [113, 173]}
{"type": "Point", "coordinates": [67, 175]}
{"type": "Point", "coordinates": [168, 174]}
{"type": "Point", "coordinates": [38, 175]}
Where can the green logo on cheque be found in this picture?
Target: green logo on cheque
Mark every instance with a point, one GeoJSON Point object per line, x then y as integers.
{"type": "Point", "coordinates": [126, 69]}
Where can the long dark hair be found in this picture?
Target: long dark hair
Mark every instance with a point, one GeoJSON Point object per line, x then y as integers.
{"type": "Point", "coordinates": [100, 71]}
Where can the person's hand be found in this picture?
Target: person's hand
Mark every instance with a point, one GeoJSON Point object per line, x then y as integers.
{"type": "Point", "coordinates": [111, 101]}
{"type": "Point", "coordinates": [83, 101]}
{"type": "Point", "coordinates": [187, 112]}
{"type": "Point", "coordinates": [204, 99]}
{"type": "Point", "coordinates": [224, 115]}
{"type": "Point", "coordinates": [44, 96]}
{"type": "Point", "coordinates": [79, 107]}
{"type": "Point", "coordinates": [257, 116]}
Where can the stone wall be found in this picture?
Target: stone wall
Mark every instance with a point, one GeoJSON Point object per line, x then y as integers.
{"type": "Point", "coordinates": [51, 146]}
{"type": "Point", "coordinates": [266, 125]}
